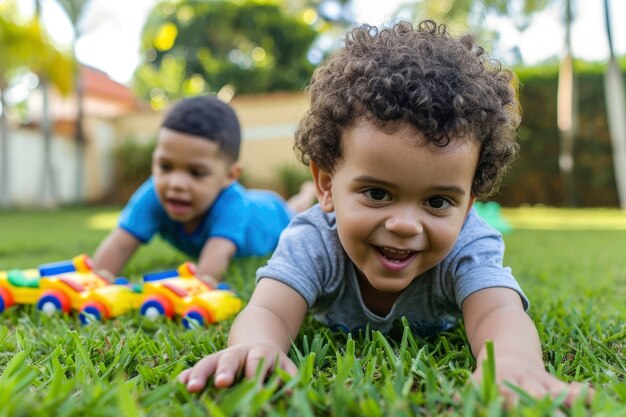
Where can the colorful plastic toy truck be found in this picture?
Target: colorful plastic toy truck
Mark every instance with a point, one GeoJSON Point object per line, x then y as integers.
{"type": "Point", "coordinates": [65, 286]}
{"type": "Point", "coordinates": [179, 292]}
{"type": "Point", "coordinates": [19, 287]}
{"type": "Point", "coordinates": [74, 285]}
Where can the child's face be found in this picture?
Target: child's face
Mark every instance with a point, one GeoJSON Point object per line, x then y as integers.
{"type": "Point", "coordinates": [399, 202]}
{"type": "Point", "coordinates": [189, 172]}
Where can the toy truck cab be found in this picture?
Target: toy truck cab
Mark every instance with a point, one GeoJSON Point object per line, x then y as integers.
{"type": "Point", "coordinates": [179, 292]}
{"type": "Point", "coordinates": [64, 284]}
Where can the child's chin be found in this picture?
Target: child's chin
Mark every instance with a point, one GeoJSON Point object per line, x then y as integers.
{"type": "Point", "coordinates": [179, 217]}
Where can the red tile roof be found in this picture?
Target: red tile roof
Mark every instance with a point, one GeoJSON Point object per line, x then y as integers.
{"type": "Point", "coordinates": [97, 83]}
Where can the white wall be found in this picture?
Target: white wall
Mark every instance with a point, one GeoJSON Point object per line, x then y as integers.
{"type": "Point", "coordinates": [26, 158]}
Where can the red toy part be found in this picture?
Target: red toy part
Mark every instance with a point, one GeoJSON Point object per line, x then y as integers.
{"type": "Point", "coordinates": [156, 305]}
{"type": "Point", "coordinates": [54, 300]}
{"type": "Point", "coordinates": [82, 263]}
{"type": "Point", "coordinates": [6, 299]}
{"type": "Point", "coordinates": [187, 270]}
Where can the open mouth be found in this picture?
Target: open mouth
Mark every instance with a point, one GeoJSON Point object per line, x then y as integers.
{"type": "Point", "coordinates": [177, 206]}
{"type": "Point", "coordinates": [395, 255]}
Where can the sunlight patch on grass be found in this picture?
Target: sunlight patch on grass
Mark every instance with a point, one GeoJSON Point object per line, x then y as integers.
{"type": "Point", "coordinates": [549, 218]}
{"type": "Point", "coordinates": [103, 221]}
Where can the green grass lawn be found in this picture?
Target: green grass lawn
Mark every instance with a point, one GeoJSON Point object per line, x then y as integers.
{"type": "Point", "coordinates": [575, 278]}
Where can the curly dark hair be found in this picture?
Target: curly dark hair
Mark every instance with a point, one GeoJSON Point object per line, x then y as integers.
{"type": "Point", "coordinates": [445, 87]}
{"type": "Point", "coordinates": [207, 117]}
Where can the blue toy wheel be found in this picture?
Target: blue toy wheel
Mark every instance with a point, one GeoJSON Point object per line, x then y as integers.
{"type": "Point", "coordinates": [53, 302]}
{"type": "Point", "coordinates": [90, 313]}
{"type": "Point", "coordinates": [156, 306]}
{"type": "Point", "coordinates": [196, 317]}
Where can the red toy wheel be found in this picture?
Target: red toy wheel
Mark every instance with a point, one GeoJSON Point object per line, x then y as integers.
{"type": "Point", "coordinates": [157, 305]}
{"type": "Point", "coordinates": [54, 301]}
{"type": "Point", "coordinates": [6, 299]}
{"type": "Point", "coordinates": [197, 317]}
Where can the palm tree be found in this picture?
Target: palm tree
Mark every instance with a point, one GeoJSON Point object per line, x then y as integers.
{"type": "Point", "coordinates": [49, 63]}
{"type": "Point", "coordinates": [616, 112]}
{"type": "Point", "coordinates": [75, 10]}
{"type": "Point", "coordinates": [24, 46]}
{"type": "Point", "coordinates": [11, 38]}
{"type": "Point", "coordinates": [567, 113]}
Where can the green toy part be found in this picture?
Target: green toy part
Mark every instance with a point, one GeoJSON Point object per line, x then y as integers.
{"type": "Point", "coordinates": [490, 211]}
{"type": "Point", "coordinates": [18, 278]}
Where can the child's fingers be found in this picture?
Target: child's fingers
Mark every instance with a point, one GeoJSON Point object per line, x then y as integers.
{"type": "Point", "coordinates": [183, 377]}
{"type": "Point", "coordinates": [287, 365]}
{"type": "Point", "coordinates": [258, 357]}
{"type": "Point", "coordinates": [226, 370]}
{"type": "Point", "coordinates": [576, 389]}
{"type": "Point", "coordinates": [195, 378]}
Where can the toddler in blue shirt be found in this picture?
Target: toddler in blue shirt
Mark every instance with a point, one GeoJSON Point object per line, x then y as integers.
{"type": "Point", "coordinates": [193, 199]}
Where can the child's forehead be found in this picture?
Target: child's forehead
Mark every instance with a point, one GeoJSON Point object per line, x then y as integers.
{"type": "Point", "coordinates": [171, 143]}
{"type": "Point", "coordinates": [393, 128]}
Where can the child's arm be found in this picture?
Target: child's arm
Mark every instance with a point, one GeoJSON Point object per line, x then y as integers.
{"type": "Point", "coordinates": [114, 251]}
{"type": "Point", "coordinates": [497, 314]}
{"type": "Point", "coordinates": [215, 258]}
{"type": "Point", "coordinates": [262, 332]}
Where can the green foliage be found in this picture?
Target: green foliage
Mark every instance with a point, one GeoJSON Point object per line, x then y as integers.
{"type": "Point", "coordinates": [132, 160]}
{"type": "Point", "coordinates": [291, 176]}
{"type": "Point", "coordinates": [27, 45]}
{"type": "Point", "coordinates": [193, 47]}
{"type": "Point", "coordinates": [535, 176]}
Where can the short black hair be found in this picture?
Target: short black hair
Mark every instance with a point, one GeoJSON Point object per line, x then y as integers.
{"type": "Point", "coordinates": [207, 117]}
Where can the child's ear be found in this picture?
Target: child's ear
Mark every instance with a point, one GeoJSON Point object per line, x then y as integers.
{"type": "Point", "coordinates": [234, 171]}
{"type": "Point", "coordinates": [323, 187]}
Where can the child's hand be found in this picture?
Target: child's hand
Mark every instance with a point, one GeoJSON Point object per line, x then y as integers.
{"type": "Point", "coordinates": [106, 275]}
{"type": "Point", "coordinates": [225, 365]}
{"type": "Point", "coordinates": [531, 377]}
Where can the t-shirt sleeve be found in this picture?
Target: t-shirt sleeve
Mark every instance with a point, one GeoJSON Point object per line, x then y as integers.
{"type": "Point", "coordinates": [141, 216]}
{"type": "Point", "coordinates": [477, 264]}
{"type": "Point", "coordinates": [303, 260]}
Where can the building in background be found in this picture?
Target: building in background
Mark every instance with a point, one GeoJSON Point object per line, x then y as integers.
{"type": "Point", "coordinates": [112, 114]}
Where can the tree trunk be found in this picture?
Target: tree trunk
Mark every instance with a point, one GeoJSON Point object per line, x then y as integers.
{"type": "Point", "coordinates": [616, 113]}
{"type": "Point", "coordinates": [80, 135]}
{"type": "Point", "coordinates": [48, 192]}
{"type": "Point", "coordinates": [567, 115]}
{"type": "Point", "coordinates": [4, 154]}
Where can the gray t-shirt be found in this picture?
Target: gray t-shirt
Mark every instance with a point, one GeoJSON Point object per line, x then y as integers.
{"type": "Point", "coordinates": [310, 259]}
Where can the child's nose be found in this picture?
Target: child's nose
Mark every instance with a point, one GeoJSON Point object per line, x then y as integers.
{"type": "Point", "coordinates": [404, 222]}
{"type": "Point", "coordinates": [178, 180]}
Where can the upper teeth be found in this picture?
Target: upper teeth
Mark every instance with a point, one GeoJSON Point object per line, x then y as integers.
{"type": "Point", "coordinates": [390, 250]}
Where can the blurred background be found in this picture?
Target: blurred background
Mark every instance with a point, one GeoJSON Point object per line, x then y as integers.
{"type": "Point", "coordinates": [84, 83]}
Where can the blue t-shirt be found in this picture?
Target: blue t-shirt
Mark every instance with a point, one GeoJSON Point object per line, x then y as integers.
{"type": "Point", "coordinates": [310, 259]}
{"type": "Point", "coordinates": [251, 219]}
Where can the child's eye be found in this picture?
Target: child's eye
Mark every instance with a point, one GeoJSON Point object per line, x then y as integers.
{"type": "Point", "coordinates": [198, 174]}
{"type": "Point", "coordinates": [438, 203]}
{"type": "Point", "coordinates": [164, 166]}
{"type": "Point", "coordinates": [377, 194]}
